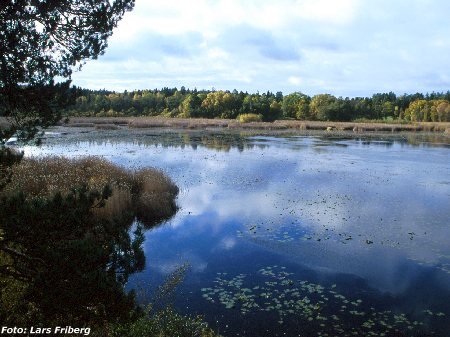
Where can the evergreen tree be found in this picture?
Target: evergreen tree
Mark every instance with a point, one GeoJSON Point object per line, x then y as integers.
{"type": "Point", "coordinates": [40, 40]}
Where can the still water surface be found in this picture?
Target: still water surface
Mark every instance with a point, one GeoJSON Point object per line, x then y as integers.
{"type": "Point", "coordinates": [295, 236]}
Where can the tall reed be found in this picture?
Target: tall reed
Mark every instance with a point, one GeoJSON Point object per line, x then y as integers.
{"type": "Point", "coordinates": [148, 193]}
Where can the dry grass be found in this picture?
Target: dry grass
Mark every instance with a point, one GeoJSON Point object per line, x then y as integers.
{"type": "Point", "coordinates": [204, 123]}
{"type": "Point", "coordinates": [183, 123]}
{"type": "Point", "coordinates": [111, 123]}
{"type": "Point", "coordinates": [97, 120]}
{"type": "Point", "coordinates": [363, 127]}
{"type": "Point", "coordinates": [155, 197]}
{"type": "Point", "coordinates": [45, 176]}
{"type": "Point", "coordinates": [149, 193]}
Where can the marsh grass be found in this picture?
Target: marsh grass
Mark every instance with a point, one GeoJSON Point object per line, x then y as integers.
{"type": "Point", "coordinates": [183, 123]}
{"type": "Point", "coordinates": [252, 122]}
{"type": "Point", "coordinates": [155, 195]}
{"type": "Point", "coordinates": [97, 120]}
{"type": "Point", "coordinates": [148, 193]}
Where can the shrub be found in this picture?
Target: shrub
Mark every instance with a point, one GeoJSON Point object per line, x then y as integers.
{"type": "Point", "coordinates": [248, 118]}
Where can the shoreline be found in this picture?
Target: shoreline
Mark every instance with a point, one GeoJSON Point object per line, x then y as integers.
{"type": "Point", "coordinates": [108, 126]}
{"type": "Point", "coordinates": [112, 123]}
{"type": "Point", "coordinates": [231, 124]}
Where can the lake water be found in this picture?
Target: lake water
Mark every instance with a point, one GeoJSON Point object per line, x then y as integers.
{"type": "Point", "coordinates": [298, 235]}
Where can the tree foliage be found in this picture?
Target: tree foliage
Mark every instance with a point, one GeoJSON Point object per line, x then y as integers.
{"type": "Point", "coordinates": [428, 110]}
{"type": "Point", "coordinates": [296, 106]}
{"type": "Point", "coordinates": [58, 263]}
{"type": "Point", "coordinates": [71, 266]}
{"type": "Point", "coordinates": [40, 40]}
{"type": "Point", "coordinates": [230, 104]}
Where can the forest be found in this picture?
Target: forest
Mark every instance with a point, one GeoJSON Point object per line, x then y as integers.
{"type": "Point", "coordinates": [185, 103]}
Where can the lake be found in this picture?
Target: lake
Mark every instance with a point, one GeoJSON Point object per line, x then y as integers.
{"type": "Point", "coordinates": [295, 235]}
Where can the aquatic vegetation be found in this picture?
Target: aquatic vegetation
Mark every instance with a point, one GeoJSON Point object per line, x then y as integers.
{"type": "Point", "coordinates": [148, 192]}
{"type": "Point", "coordinates": [362, 217]}
{"type": "Point", "coordinates": [324, 308]}
{"type": "Point", "coordinates": [155, 197]}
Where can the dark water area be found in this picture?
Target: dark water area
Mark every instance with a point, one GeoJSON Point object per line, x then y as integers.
{"type": "Point", "coordinates": [295, 235]}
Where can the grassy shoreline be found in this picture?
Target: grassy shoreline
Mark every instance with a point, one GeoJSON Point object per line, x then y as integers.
{"type": "Point", "coordinates": [201, 123]}
{"type": "Point", "coordinates": [112, 123]}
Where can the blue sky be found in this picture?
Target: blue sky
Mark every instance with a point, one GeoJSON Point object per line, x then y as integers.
{"type": "Point", "coordinates": [343, 47]}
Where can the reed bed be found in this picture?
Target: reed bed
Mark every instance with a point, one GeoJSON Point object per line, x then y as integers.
{"type": "Point", "coordinates": [364, 126]}
{"type": "Point", "coordinates": [148, 193]}
{"type": "Point", "coordinates": [204, 123]}
{"type": "Point", "coordinates": [184, 123]}
{"type": "Point", "coordinates": [112, 123]}
{"type": "Point", "coordinates": [97, 120]}
{"type": "Point", "coordinates": [156, 196]}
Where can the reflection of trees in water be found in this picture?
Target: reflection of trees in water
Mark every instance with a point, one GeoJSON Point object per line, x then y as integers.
{"type": "Point", "coordinates": [214, 141]}
{"type": "Point", "coordinates": [226, 140]}
{"type": "Point", "coordinates": [65, 258]}
{"type": "Point", "coordinates": [410, 139]}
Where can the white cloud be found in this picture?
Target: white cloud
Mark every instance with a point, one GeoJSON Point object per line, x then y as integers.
{"type": "Point", "coordinates": [345, 47]}
{"type": "Point", "coordinates": [294, 80]}
{"type": "Point", "coordinates": [328, 11]}
{"type": "Point", "coordinates": [218, 53]}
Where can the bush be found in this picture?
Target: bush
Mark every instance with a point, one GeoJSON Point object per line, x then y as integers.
{"type": "Point", "coordinates": [248, 118]}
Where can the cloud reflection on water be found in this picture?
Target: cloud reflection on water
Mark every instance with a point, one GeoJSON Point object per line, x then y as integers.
{"type": "Point", "coordinates": [373, 193]}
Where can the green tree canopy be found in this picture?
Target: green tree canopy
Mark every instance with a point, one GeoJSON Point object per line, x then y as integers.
{"type": "Point", "coordinates": [296, 105]}
{"type": "Point", "coordinates": [321, 106]}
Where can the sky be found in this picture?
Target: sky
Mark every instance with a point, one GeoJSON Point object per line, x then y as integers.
{"type": "Point", "coordinates": [342, 47]}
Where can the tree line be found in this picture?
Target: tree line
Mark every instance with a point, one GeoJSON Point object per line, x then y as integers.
{"type": "Point", "coordinates": [185, 103]}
